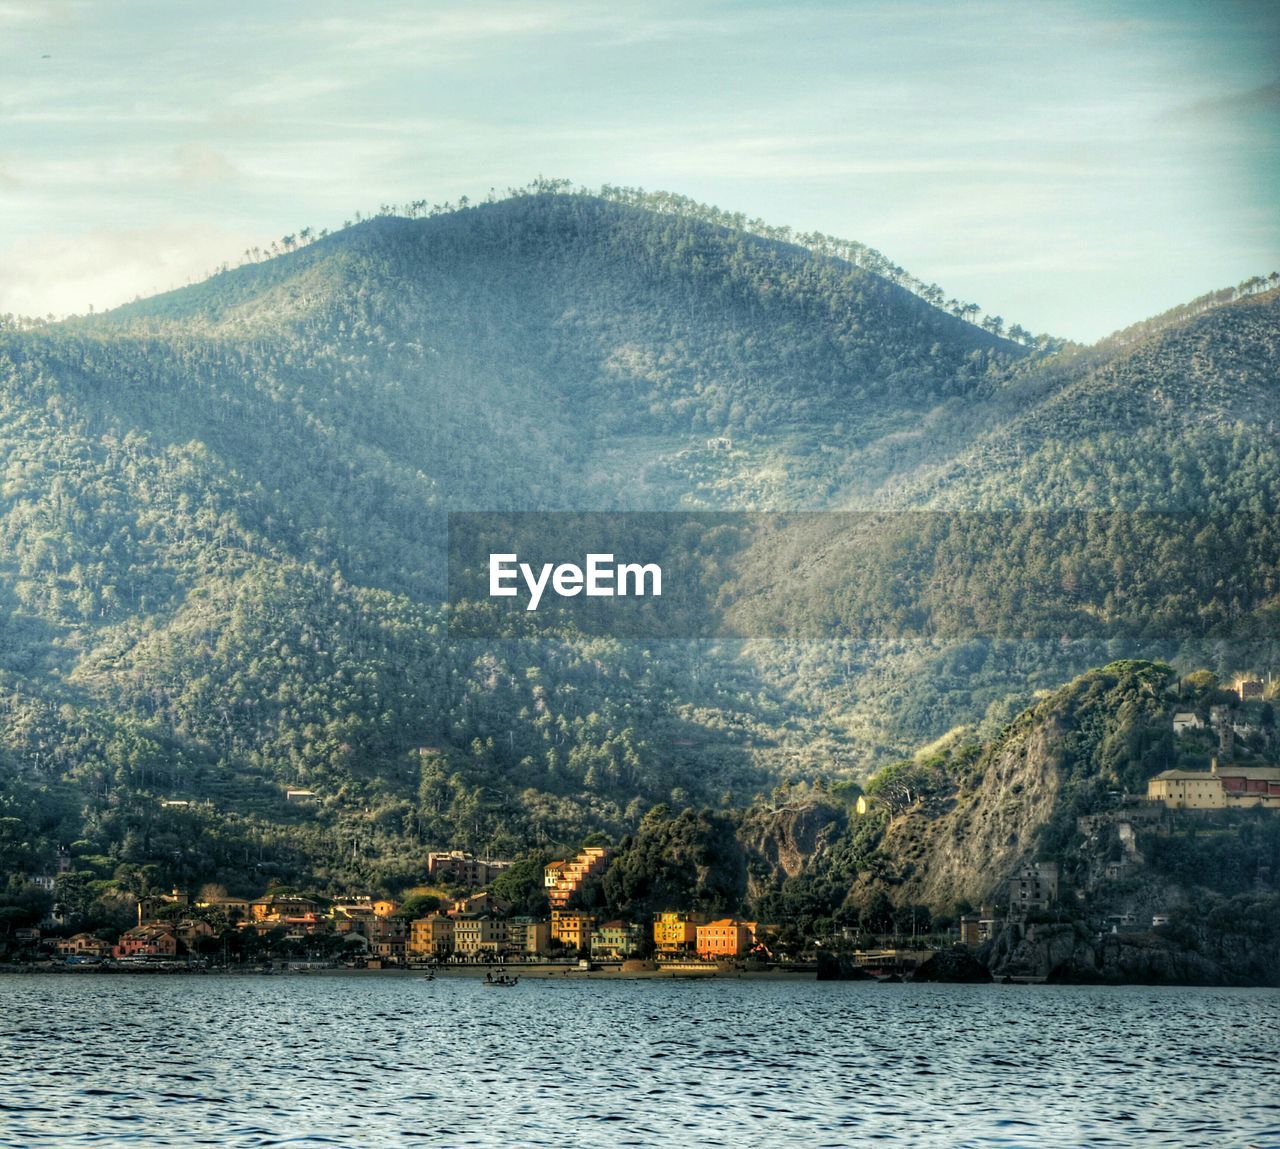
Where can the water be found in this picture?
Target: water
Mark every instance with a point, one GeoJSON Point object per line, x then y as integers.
{"type": "Point", "coordinates": [373, 1062]}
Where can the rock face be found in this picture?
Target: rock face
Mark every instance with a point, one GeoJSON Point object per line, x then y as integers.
{"type": "Point", "coordinates": [977, 824]}
{"type": "Point", "coordinates": [986, 828]}
{"type": "Point", "coordinates": [1069, 954]}
{"type": "Point", "coordinates": [788, 838]}
{"type": "Point", "coordinates": [954, 965]}
{"type": "Point", "coordinates": [840, 967]}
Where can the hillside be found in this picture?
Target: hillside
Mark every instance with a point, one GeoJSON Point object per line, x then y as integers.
{"type": "Point", "coordinates": [222, 513]}
{"type": "Point", "coordinates": [944, 832]}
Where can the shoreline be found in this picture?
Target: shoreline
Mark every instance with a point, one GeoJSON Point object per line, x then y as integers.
{"type": "Point", "coordinates": [542, 971]}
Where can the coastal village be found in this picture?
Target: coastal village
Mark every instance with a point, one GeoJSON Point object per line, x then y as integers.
{"type": "Point", "coordinates": [457, 919]}
{"type": "Point", "coordinates": [375, 933]}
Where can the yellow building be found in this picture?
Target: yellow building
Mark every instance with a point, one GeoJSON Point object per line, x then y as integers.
{"type": "Point", "coordinates": [572, 929]}
{"type": "Point", "coordinates": [236, 909]}
{"type": "Point", "coordinates": [479, 935]}
{"type": "Point", "coordinates": [1223, 787]}
{"type": "Point", "coordinates": [430, 937]}
{"type": "Point", "coordinates": [675, 932]}
{"type": "Point", "coordinates": [276, 907]}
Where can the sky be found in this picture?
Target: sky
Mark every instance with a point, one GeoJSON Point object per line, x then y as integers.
{"type": "Point", "coordinates": [1071, 166]}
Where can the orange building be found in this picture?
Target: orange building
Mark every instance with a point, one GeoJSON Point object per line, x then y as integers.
{"type": "Point", "coordinates": [675, 932]}
{"type": "Point", "coordinates": [573, 929]}
{"type": "Point", "coordinates": [726, 937]}
{"type": "Point", "coordinates": [564, 879]}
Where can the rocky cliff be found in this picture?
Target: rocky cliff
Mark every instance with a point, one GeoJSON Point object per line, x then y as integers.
{"type": "Point", "coordinates": [958, 827]}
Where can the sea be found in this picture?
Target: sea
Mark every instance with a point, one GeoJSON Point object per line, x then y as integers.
{"type": "Point", "coordinates": [373, 1061]}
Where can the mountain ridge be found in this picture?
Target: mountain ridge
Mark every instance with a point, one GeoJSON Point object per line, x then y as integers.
{"type": "Point", "coordinates": [220, 544]}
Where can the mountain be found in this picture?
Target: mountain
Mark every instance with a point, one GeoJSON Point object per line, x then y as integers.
{"type": "Point", "coordinates": [941, 834]}
{"type": "Point", "coordinates": [222, 517]}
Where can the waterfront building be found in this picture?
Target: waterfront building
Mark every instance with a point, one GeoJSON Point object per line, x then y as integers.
{"type": "Point", "coordinates": [615, 941]}
{"type": "Point", "coordinates": [527, 936]}
{"type": "Point", "coordinates": [676, 932]}
{"type": "Point", "coordinates": [82, 945]}
{"type": "Point", "coordinates": [725, 937]}
{"type": "Point", "coordinates": [152, 939]}
{"type": "Point", "coordinates": [431, 937]}
{"type": "Point", "coordinates": [1034, 887]}
{"type": "Point", "coordinates": [573, 929]}
{"type": "Point", "coordinates": [475, 934]}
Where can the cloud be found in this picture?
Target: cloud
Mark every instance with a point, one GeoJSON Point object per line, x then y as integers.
{"type": "Point", "coordinates": [36, 11]}
{"type": "Point", "coordinates": [200, 166]}
{"type": "Point", "coordinates": [66, 274]}
{"type": "Point", "coordinates": [445, 29]}
{"type": "Point", "coordinates": [1263, 99]}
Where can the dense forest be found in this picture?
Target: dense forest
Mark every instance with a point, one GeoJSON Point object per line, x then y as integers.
{"type": "Point", "coordinates": [223, 518]}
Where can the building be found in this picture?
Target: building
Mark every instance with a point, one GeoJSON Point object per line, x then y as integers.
{"type": "Point", "coordinates": [155, 939]}
{"type": "Point", "coordinates": [616, 941]}
{"type": "Point", "coordinates": [1186, 720]}
{"type": "Point", "coordinates": [279, 907]}
{"type": "Point", "coordinates": [83, 945]}
{"type": "Point", "coordinates": [676, 932]}
{"type": "Point", "coordinates": [478, 934]}
{"type": "Point", "coordinates": [191, 931]}
{"type": "Point", "coordinates": [483, 902]}
{"type": "Point", "coordinates": [150, 907]}
{"type": "Point", "coordinates": [461, 869]}
{"type": "Point", "coordinates": [564, 879]}
{"type": "Point", "coordinates": [724, 938]}
{"type": "Point", "coordinates": [431, 937]}
{"type": "Point", "coordinates": [969, 931]}
{"type": "Point", "coordinates": [388, 939]}
{"type": "Point", "coordinates": [1034, 887]}
{"type": "Point", "coordinates": [1223, 787]}
{"type": "Point", "coordinates": [573, 929]}
{"type": "Point", "coordinates": [235, 909]}
{"type": "Point", "coordinates": [527, 936]}
{"type": "Point", "coordinates": [1250, 689]}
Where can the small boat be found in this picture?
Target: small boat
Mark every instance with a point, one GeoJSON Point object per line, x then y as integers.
{"type": "Point", "coordinates": [501, 980]}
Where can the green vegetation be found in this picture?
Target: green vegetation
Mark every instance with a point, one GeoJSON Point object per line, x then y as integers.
{"type": "Point", "coordinates": [222, 549]}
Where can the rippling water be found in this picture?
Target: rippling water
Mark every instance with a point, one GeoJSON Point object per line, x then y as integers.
{"type": "Point", "coordinates": [368, 1062]}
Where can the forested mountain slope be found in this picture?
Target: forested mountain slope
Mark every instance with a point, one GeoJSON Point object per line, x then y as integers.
{"type": "Point", "coordinates": [222, 512]}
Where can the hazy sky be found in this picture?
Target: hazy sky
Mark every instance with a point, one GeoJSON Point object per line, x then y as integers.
{"type": "Point", "coordinates": [1071, 166]}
